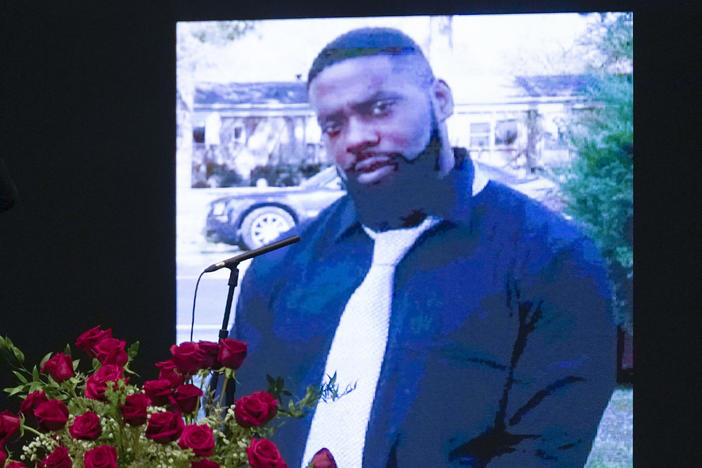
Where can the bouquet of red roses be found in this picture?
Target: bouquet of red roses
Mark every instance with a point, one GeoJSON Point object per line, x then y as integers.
{"type": "Point", "coordinates": [101, 419]}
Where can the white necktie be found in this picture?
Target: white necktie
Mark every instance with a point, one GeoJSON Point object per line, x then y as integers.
{"type": "Point", "coordinates": [357, 351]}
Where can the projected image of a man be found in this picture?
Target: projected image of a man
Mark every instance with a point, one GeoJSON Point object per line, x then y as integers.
{"type": "Point", "coordinates": [474, 323]}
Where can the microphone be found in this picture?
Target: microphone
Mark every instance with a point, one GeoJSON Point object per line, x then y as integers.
{"type": "Point", "coordinates": [230, 262]}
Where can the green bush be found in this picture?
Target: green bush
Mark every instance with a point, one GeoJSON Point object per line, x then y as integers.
{"type": "Point", "coordinates": [597, 187]}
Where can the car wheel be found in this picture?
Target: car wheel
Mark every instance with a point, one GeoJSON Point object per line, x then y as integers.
{"type": "Point", "coordinates": [264, 225]}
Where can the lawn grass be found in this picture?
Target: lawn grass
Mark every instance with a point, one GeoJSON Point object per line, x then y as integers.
{"type": "Point", "coordinates": [614, 443]}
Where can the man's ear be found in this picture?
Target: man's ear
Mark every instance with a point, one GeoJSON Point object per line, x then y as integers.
{"type": "Point", "coordinates": [443, 99]}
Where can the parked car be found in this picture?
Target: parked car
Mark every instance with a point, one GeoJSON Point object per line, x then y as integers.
{"type": "Point", "coordinates": [255, 217]}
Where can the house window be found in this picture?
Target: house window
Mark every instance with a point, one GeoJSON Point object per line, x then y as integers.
{"type": "Point", "coordinates": [480, 134]}
{"type": "Point", "coordinates": [239, 134]}
{"type": "Point", "coordinates": [506, 132]}
{"type": "Point", "coordinates": [199, 134]}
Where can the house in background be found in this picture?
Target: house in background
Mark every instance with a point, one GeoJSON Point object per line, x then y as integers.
{"type": "Point", "coordinates": [519, 124]}
{"type": "Point", "coordinates": [244, 131]}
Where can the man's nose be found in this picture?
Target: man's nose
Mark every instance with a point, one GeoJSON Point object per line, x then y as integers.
{"type": "Point", "coordinates": [360, 135]}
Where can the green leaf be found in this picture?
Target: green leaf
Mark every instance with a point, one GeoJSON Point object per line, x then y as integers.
{"type": "Point", "coordinates": [21, 378]}
{"type": "Point", "coordinates": [14, 391]}
{"type": "Point", "coordinates": [133, 350]}
{"type": "Point", "coordinates": [18, 354]}
{"type": "Point", "coordinates": [68, 349]}
{"type": "Point", "coordinates": [44, 359]}
{"type": "Point", "coordinates": [11, 353]}
{"type": "Point", "coordinates": [35, 374]}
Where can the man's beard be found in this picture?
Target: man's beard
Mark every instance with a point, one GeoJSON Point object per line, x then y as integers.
{"type": "Point", "coordinates": [403, 199]}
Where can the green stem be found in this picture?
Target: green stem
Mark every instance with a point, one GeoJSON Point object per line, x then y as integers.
{"type": "Point", "coordinates": [224, 389]}
{"type": "Point", "coordinates": [31, 429]}
{"type": "Point", "coordinates": [202, 380]}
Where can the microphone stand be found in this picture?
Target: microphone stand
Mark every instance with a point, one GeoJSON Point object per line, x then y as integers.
{"type": "Point", "coordinates": [224, 331]}
{"type": "Point", "coordinates": [233, 265]}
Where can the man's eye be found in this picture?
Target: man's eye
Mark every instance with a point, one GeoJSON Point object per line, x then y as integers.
{"type": "Point", "coordinates": [381, 107]}
{"type": "Point", "coordinates": [330, 128]}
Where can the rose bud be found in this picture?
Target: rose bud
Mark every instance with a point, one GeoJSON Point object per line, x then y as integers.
{"type": "Point", "coordinates": [57, 459]}
{"type": "Point", "coordinates": [158, 391]}
{"type": "Point", "coordinates": [14, 464]}
{"type": "Point", "coordinates": [104, 456]}
{"type": "Point", "coordinates": [323, 459]}
{"type": "Point", "coordinates": [169, 372]}
{"type": "Point", "coordinates": [255, 410]}
{"type": "Point", "coordinates": [208, 353]}
{"type": "Point", "coordinates": [231, 353]}
{"type": "Point", "coordinates": [59, 367]}
{"type": "Point", "coordinates": [89, 339]}
{"type": "Point", "coordinates": [111, 351]}
{"type": "Point", "coordinates": [197, 438]}
{"type": "Point", "coordinates": [52, 415]}
{"type": "Point", "coordinates": [164, 427]}
{"type": "Point", "coordinates": [86, 426]}
{"type": "Point", "coordinates": [97, 383]}
{"type": "Point", "coordinates": [204, 464]}
{"type": "Point", "coordinates": [9, 424]}
{"type": "Point", "coordinates": [263, 453]}
{"type": "Point", "coordinates": [134, 409]}
{"type": "Point", "coordinates": [186, 397]}
{"type": "Point", "coordinates": [187, 357]}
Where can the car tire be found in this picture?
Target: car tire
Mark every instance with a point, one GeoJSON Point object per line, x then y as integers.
{"type": "Point", "coordinates": [264, 225]}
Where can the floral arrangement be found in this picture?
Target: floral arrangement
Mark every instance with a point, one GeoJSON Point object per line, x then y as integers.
{"type": "Point", "coordinates": [101, 419]}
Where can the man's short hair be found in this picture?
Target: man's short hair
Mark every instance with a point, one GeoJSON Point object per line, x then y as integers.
{"type": "Point", "coordinates": [364, 42]}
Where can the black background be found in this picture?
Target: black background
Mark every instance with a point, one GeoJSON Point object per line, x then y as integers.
{"type": "Point", "coordinates": [88, 135]}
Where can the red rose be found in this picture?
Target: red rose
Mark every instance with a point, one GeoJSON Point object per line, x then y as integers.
{"type": "Point", "coordinates": [3, 457]}
{"type": "Point", "coordinates": [89, 339]}
{"type": "Point", "coordinates": [57, 459]}
{"type": "Point", "coordinates": [9, 423]}
{"type": "Point", "coordinates": [204, 464]}
{"type": "Point", "coordinates": [104, 456]}
{"type": "Point", "coordinates": [323, 459]}
{"type": "Point", "coordinates": [52, 415]}
{"type": "Point", "coordinates": [111, 351]}
{"type": "Point", "coordinates": [30, 403]}
{"type": "Point", "coordinates": [59, 367]}
{"type": "Point", "coordinates": [208, 354]}
{"type": "Point", "coordinates": [14, 464]}
{"type": "Point", "coordinates": [187, 357]}
{"type": "Point", "coordinates": [86, 426]}
{"type": "Point", "coordinates": [255, 410]}
{"type": "Point", "coordinates": [134, 409]}
{"type": "Point", "coordinates": [164, 427]}
{"type": "Point", "coordinates": [186, 397]}
{"type": "Point", "coordinates": [159, 391]}
{"type": "Point", "coordinates": [231, 353]}
{"type": "Point", "coordinates": [168, 371]}
{"type": "Point", "coordinates": [263, 453]}
{"type": "Point", "coordinates": [97, 383]}
{"type": "Point", "coordinates": [197, 438]}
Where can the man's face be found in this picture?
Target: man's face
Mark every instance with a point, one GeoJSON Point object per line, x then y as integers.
{"type": "Point", "coordinates": [376, 122]}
